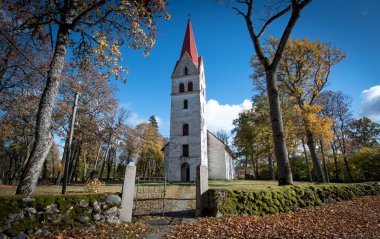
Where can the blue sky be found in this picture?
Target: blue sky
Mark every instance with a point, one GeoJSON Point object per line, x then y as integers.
{"type": "Point", "coordinates": [223, 41]}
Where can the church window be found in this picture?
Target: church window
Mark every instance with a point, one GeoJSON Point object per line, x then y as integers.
{"type": "Point", "coordinates": [190, 86]}
{"type": "Point", "coordinates": [185, 129]}
{"type": "Point", "coordinates": [181, 88]}
{"type": "Point", "coordinates": [185, 104]}
{"type": "Point", "coordinates": [185, 150]}
{"type": "Point", "coordinates": [186, 71]}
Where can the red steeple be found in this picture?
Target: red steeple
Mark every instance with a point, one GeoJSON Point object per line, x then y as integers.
{"type": "Point", "coordinates": [189, 44]}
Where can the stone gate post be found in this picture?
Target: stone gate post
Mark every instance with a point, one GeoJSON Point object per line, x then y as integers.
{"type": "Point", "coordinates": [201, 189]}
{"type": "Point", "coordinates": [128, 193]}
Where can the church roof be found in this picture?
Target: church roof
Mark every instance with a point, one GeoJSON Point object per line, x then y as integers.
{"type": "Point", "coordinates": [189, 45]}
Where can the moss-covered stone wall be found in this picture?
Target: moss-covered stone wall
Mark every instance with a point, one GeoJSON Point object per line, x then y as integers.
{"type": "Point", "coordinates": [39, 215]}
{"type": "Point", "coordinates": [283, 199]}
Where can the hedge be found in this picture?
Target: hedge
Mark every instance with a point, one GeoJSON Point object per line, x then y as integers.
{"type": "Point", "coordinates": [283, 199]}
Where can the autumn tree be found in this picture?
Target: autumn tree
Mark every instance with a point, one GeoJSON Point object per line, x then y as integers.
{"type": "Point", "coordinates": [150, 155]}
{"type": "Point", "coordinates": [303, 72]}
{"type": "Point", "coordinates": [93, 31]}
{"type": "Point", "coordinates": [336, 106]}
{"type": "Point", "coordinates": [270, 63]}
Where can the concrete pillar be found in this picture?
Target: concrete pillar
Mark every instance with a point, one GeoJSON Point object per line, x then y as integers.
{"type": "Point", "coordinates": [201, 189]}
{"type": "Point", "coordinates": [128, 193]}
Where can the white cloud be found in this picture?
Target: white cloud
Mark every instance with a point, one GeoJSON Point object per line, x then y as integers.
{"type": "Point", "coordinates": [220, 117]}
{"type": "Point", "coordinates": [134, 119]}
{"type": "Point", "coordinates": [371, 103]}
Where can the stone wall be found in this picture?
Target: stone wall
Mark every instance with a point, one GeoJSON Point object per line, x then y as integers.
{"type": "Point", "coordinates": [39, 215]}
{"type": "Point", "coordinates": [283, 199]}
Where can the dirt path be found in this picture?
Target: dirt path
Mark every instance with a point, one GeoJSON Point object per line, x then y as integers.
{"type": "Point", "coordinates": [359, 218]}
{"type": "Point", "coordinates": [180, 209]}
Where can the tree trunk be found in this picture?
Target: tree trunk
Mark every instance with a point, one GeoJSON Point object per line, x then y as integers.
{"type": "Point", "coordinates": [52, 166]}
{"type": "Point", "coordinates": [271, 169]}
{"type": "Point", "coordinates": [281, 152]}
{"type": "Point", "coordinates": [109, 164]}
{"type": "Point", "coordinates": [84, 168]}
{"type": "Point", "coordinates": [307, 161]}
{"type": "Point", "coordinates": [43, 138]}
{"type": "Point", "coordinates": [75, 160]}
{"type": "Point", "coordinates": [337, 171]}
{"type": "Point", "coordinates": [63, 161]}
{"type": "Point", "coordinates": [96, 161]}
{"type": "Point", "coordinates": [342, 145]}
{"type": "Point", "coordinates": [324, 161]}
{"type": "Point", "coordinates": [105, 158]}
{"type": "Point", "coordinates": [44, 171]}
{"type": "Point", "coordinates": [314, 157]}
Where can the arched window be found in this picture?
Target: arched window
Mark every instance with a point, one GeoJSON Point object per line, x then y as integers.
{"type": "Point", "coordinates": [185, 104]}
{"type": "Point", "coordinates": [190, 86]}
{"type": "Point", "coordinates": [185, 129]}
{"type": "Point", "coordinates": [181, 88]}
{"type": "Point", "coordinates": [185, 71]}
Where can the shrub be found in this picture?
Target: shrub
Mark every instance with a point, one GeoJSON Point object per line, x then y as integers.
{"type": "Point", "coordinates": [94, 185]}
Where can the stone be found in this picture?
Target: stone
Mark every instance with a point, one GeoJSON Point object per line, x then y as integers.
{"type": "Point", "coordinates": [29, 211]}
{"type": "Point", "coordinates": [128, 193]}
{"type": "Point", "coordinates": [28, 199]}
{"type": "Point", "coordinates": [42, 232]}
{"type": "Point", "coordinates": [3, 236]}
{"type": "Point", "coordinates": [4, 227]}
{"type": "Point", "coordinates": [83, 203]}
{"type": "Point", "coordinates": [96, 208]}
{"type": "Point", "coordinates": [113, 199]}
{"type": "Point", "coordinates": [52, 208]}
{"type": "Point", "coordinates": [11, 232]}
{"type": "Point", "coordinates": [113, 219]}
{"type": "Point", "coordinates": [96, 217]}
{"type": "Point", "coordinates": [83, 219]}
{"type": "Point", "coordinates": [112, 210]}
{"type": "Point", "coordinates": [21, 235]}
{"type": "Point", "coordinates": [15, 216]}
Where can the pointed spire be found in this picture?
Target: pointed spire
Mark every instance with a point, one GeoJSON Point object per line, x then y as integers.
{"type": "Point", "coordinates": [189, 44]}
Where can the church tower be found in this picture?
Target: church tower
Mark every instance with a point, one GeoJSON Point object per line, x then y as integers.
{"type": "Point", "coordinates": [188, 131]}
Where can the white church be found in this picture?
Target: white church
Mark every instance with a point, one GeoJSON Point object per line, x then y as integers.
{"type": "Point", "coordinates": [191, 144]}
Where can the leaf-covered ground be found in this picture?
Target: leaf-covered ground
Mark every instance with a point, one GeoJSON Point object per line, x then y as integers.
{"type": "Point", "coordinates": [359, 218]}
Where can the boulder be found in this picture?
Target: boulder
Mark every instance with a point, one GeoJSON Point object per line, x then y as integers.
{"type": "Point", "coordinates": [113, 199]}
{"type": "Point", "coordinates": [96, 217]}
{"type": "Point", "coordinates": [83, 203]}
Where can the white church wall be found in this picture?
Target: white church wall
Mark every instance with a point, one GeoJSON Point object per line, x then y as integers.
{"type": "Point", "coordinates": [216, 158]}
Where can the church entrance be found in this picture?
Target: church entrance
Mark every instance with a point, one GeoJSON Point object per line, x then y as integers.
{"type": "Point", "coordinates": [185, 172]}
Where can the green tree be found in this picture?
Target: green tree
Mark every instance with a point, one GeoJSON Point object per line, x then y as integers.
{"type": "Point", "coordinates": [365, 132]}
{"type": "Point", "coordinates": [153, 121]}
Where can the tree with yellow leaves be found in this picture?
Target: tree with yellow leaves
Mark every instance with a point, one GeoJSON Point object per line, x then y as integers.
{"type": "Point", "coordinates": [303, 73]}
{"type": "Point", "coordinates": [93, 31]}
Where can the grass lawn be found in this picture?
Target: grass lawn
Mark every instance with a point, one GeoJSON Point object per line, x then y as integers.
{"type": "Point", "coordinates": [6, 190]}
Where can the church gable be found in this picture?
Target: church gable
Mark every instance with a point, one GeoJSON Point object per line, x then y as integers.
{"type": "Point", "coordinates": [185, 66]}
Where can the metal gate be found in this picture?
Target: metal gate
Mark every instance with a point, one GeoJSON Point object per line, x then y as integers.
{"type": "Point", "coordinates": [150, 195]}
